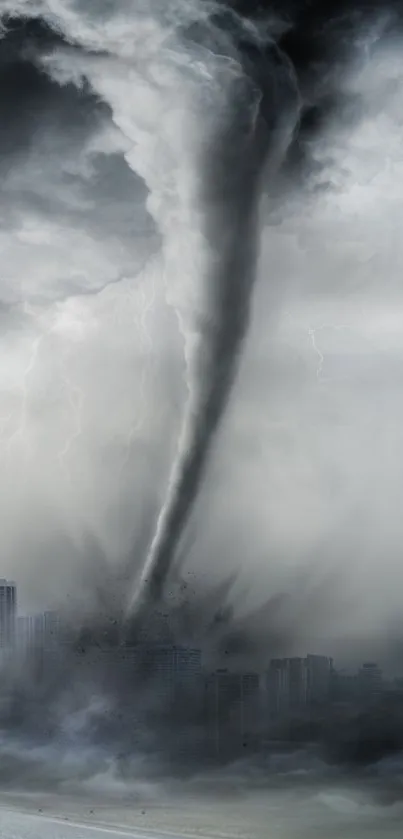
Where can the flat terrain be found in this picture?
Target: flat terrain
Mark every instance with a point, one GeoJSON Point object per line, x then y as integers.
{"type": "Point", "coordinates": [304, 813]}
{"type": "Point", "coordinates": [15, 825]}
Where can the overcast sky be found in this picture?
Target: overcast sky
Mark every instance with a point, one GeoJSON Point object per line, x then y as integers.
{"type": "Point", "coordinates": [306, 471]}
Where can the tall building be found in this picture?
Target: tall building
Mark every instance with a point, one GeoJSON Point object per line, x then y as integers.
{"type": "Point", "coordinates": [173, 670]}
{"type": "Point", "coordinates": [51, 630]}
{"type": "Point", "coordinates": [40, 632]}
{"type": "Point", "coordinates": [278, 687]}
{"type": "Point", "coordinates": [232, 709]}
{"type": "Point", "coordinates": [319, 676]}
{"type": "Point", "coordinates": [108, 666]}
{"type": "Point", "coordinates": [30, 632]}
{"type": "Point", "coordinates": [24, 633]}
{"type": "Point", "coordinates": [369, 682]}
{"type": "Point", "coordinates": [344, 688]}
{"type": "Point", "coordinates": [246, 714]}
{"type": "Point", "coordinates": [297, 683]}
{"type": "Point", "coordinates": [8, 613]}
{"type": "Point", "coordinates": [286, 685]}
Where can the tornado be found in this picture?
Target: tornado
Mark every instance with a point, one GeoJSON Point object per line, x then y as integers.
{"type": "Point", "coordinates": [203, 106]}
{"type": "Point", "coordinates": [245, 149]}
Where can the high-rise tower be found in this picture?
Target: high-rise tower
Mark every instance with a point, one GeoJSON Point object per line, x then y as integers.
{"type": "Point", "coordinates": [8, 610]}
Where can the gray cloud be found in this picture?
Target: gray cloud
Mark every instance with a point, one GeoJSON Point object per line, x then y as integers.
{"type": "Point", "coordinates": [306, 469]}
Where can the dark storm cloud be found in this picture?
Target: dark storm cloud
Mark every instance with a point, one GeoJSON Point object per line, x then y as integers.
{"type": "Point", "coordinates": [41, 121]}
{"type": "Point", "coordinates": [114, 257]}
{"type": "Point", "coordinates": [102, 140]}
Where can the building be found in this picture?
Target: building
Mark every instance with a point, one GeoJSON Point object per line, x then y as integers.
{"type": "Point", "coordinates": [172, 668]}
{"type": "Point", "coordinates": [294, 683]}
{"type": "Point", "coordinates": [24, 633]}
{"type": "Point", "coordinates": [398, 685]}
{"type": "Point", "coordinates": [51, 630]}
{"type": "Point", "coordinates": [232, 709]}
{"type": "Point", "coordinates": [286, 686]}
{"type": "Point", "coordinates": [30, 632]}
{"type": "Point", "coordinates": [344, 688]}
{"type": "Point", "coordinates": [109, 666]}
{"type": "Point", "coordinates": [297, 683]}
{"type": "Point", "coordinates": [8, 613]}
{"type": "Point", "coordinates": [319, 679]}
{"type": "Point", "coordinates": [39, 632]}
{"type": "Point", "coordinates": [370, 683]}
{"type": "Point", "coordinates": [278, 687]}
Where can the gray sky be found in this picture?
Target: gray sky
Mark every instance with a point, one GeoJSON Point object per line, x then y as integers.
{"type": "Point", "coordinates": [97, 245]}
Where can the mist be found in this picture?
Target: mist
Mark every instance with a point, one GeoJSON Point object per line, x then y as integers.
{"type": "Point", "coordinates": [200, 349]}
{"type": "Point", "coordinates": [201, 316]}
{"type": "Point", "coordinates": [104, 300]}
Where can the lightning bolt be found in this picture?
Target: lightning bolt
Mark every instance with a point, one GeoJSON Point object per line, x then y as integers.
{"type": "Point", "coordinates": [75, 394]}
{"type": "Point", "coordinates": [142, 301]}
{"type": "Point", "coordinates": [321, 358]}
{"type": "Point", "coordinates": [21, 433]}
{"type": "Point", "coordinates": [312, 333]}
{"type": "Point", "coordinates": [76, 399]}
{"type": "Point", "coordinates": [146, 306]}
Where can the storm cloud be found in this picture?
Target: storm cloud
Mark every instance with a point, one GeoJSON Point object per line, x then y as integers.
{"type": "Point", "coordinates": [106, 116]}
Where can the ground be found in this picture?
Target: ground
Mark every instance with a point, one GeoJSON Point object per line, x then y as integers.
{"type": "Point", "coordinates": [328, 811]}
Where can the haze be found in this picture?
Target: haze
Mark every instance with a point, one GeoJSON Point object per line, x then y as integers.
{"type": "Point", "coordinates": [305, 473]}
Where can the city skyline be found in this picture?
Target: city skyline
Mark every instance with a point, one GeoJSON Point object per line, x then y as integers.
{"type": "Point", "coordinates": [219, 711]}
{"type": "Point", "coordinates": [48, 623]}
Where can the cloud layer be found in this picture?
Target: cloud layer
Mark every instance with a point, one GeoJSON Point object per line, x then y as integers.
{"type": "Point", "coordinates": [99, 242]}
